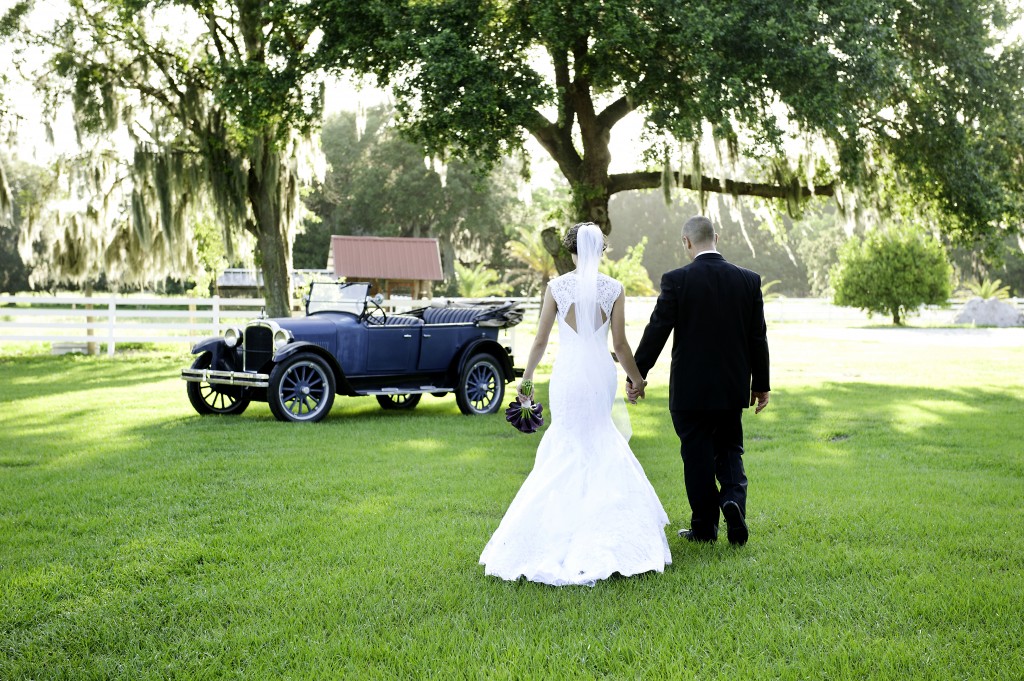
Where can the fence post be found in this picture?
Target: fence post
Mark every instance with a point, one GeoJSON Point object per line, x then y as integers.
{"type": "Point", "coordinates": [111, 314]}
{"type": "Point", "coordinates": [215, 308]}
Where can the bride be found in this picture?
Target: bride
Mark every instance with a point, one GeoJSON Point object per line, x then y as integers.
{"type": "Point", "coordinates": [586, 510]}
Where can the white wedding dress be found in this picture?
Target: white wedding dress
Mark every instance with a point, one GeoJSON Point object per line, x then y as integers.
{"type": "Point", "coordinates": [586, 510]}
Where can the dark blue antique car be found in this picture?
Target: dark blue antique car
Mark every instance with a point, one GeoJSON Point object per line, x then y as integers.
{"type": "Point", "coordinates": [346, 344]}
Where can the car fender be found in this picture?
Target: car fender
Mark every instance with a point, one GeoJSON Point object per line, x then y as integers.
{"type": "Point", "coordinates": [491, 347]}
{"type": "Point", "coordinates": [340, 381]}
{"type": "Point", "coordinates": [209, 345]}
{"type": "Point", "coordinates": [223, 356]}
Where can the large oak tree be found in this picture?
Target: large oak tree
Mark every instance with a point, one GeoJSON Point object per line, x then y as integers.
{"type": "Point", "coordinates": [221, 99]}
{"type": "Point", "coordinates": [887, 96]}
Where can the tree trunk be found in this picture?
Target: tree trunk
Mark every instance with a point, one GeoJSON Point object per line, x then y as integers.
{"type": "Point", "coordinates": [552, 238]}
{"type": "Point", "coordinates": [590, 203]}
{"type": "Point", "coordinates": [444, 241]}
{"type": "Point", "coordinates": [587, 172]}
{"type": "Point", "coordinates": [277, 280]}
{"type": "Point", "coordinates": [91, 347]}
{"type": "Point", "coordinates": [271, 240]}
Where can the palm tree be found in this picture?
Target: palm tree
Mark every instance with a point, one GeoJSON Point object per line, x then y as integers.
{"type": "Point", "coordinates": [538, 265]}
{"type": "Point", "coordinates": [766, 287]}
{"type": "Point", "coordinates": [478, 281]}
{"type": "Point", "coordinates": [987, 289]}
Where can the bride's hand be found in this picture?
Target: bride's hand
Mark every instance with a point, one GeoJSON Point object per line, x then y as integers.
{"type": "Point", "coordinates": [525, 391]}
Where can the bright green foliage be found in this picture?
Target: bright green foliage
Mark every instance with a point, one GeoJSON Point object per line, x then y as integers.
{"type": "Point", "coordinates": [211, 254]}
{"type": "Point", "coordinates": [629, 270]}
{"type": "Point", "coordinates": [987, 288]}
{"type": "Point", "coordinates": [892, 272]}
{"type": "Point", "coordinates": [478, 281]}
{"type": "Point", "coordinates": [802, 98]}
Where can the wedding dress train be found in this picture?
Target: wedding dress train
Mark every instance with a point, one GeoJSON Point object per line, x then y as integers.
{"type": "Point", "coordinates": [586, 510]}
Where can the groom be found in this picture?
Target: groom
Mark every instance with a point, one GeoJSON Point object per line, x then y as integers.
{"type": "Point", "coordinates": [719, 367]}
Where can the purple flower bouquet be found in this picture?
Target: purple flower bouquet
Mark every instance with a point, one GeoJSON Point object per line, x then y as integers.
{"type": "Point", "coordinates": [525, 417]}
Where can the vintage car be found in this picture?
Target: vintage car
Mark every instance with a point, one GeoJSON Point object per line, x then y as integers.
{"type": "Point", "coordinates": [346, 344]}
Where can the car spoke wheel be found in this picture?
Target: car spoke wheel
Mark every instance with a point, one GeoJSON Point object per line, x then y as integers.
{"type": "Point", "coordinates": [481, 386]}
{"type": "Point", "coordinates": [403, 401]}
{"type": "Point", "coordinates": [208, 399]}
{"type": "Point", "coordinates": [301, 389]}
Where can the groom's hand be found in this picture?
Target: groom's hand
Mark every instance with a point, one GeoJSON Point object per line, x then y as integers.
{"type": "Point", "coordinates": [760, 398]}
{"type": "Point", "coordinates": [634, 392]}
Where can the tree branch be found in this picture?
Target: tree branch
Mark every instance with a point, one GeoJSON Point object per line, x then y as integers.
{"type": "Point", "coordinates": [615, 112]}
{"type": "Point", "coordinates": [558, 145]}
{"type": "Point", "coordinates": [211, 23]}
{"type": "Point", "coordinates": [566, 113]}
{"type": "Point", "coordinates": [652, 180]}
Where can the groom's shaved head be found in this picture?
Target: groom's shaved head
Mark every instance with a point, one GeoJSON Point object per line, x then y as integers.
{"type": "Point", "coordinates": [699, 230]}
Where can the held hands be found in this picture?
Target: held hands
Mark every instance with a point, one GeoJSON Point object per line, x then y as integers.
{"type": "Point", "coordinates": [635, 392]}
{"type": "Point", "coordinates": [760, 398]}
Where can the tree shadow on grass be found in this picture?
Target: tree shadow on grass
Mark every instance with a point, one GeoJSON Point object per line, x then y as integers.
{"type": "Point", "coordinates": [860, 462]}
{"type": "Point", "coordinates": [43, 376]}
{"type": "Point", "coordinates": [851, 414]}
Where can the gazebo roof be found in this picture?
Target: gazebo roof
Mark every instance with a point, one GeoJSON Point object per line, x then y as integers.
{"type": "Point", "coordinates": [377, 257]}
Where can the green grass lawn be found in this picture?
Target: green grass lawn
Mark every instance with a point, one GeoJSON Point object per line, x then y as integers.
{"type": "Point", "coordinates": [139, 540]}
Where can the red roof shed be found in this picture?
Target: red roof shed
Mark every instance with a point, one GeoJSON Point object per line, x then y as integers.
{"type": "Point", "coordinates": [392, 264]}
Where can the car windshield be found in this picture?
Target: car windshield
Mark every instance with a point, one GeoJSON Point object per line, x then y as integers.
{"type": "Point", "coordinates": [332, 297]}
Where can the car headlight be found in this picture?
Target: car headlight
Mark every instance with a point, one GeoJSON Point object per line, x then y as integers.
{"type": "Point", "coordinates": [231, 336]}
{"type": "Point", "coordinates": [281, 338]}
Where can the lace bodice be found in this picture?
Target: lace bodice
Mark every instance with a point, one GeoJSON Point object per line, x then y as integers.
{"type": "Point", "coordinates": [563, 290]}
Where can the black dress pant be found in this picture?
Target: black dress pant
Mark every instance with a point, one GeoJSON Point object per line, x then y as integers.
{"type": "Point", "coordinates": [711, 443]}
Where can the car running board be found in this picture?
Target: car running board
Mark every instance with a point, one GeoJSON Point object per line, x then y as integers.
{"type": "Point", "coordinates": [423, 389]}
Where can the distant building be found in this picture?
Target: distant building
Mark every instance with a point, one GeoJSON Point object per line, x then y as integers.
{"type": "Point", "coordinates": [393, 265]}
{"type": "Point", "coordinates": [239, 282]}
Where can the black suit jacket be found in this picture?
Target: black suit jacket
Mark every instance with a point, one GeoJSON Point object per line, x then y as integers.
{"type": "Point", "coordinates": [715, 312]}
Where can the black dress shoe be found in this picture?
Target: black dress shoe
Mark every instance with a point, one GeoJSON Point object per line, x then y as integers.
{"type": "Point", "coordinates": [689, 535]}
{"type": "Point", "coordinates": [738, 533]}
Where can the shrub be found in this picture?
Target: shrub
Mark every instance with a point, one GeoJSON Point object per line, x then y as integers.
{"type": "Point", "coordinates": [892, 272]}
{"type": "Point", "coordinates": [629, 270]}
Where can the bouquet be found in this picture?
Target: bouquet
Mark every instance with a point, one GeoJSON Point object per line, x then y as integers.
{"type": "Point", "coordinates": [526, 416]}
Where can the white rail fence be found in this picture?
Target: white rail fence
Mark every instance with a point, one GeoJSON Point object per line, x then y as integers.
{"type": "Point", "coordinates": [80, 323]}
{"type": "Point", "coordinates": [74, 323]}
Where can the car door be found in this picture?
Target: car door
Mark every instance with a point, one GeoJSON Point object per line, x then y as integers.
{"type": "Point", "coordinates": [392, 349]}
{"type": "Point", "coordinates": [440, 343]}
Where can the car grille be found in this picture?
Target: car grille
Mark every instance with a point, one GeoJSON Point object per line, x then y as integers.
{"type": "Point", "coordinates": [259, 346]}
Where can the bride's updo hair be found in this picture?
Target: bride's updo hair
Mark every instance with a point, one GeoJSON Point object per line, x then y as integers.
{"type": "Point", "coordinates": [570, 237]}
